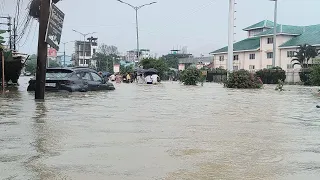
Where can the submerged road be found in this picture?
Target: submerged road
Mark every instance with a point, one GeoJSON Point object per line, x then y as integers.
{"type": "Point", "coordinates": [165, 132]}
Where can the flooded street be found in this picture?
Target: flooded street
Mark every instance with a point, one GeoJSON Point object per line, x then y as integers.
{"type": "Point", "coordinates": [165, 132]}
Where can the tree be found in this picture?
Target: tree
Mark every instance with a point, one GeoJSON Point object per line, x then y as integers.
{"type": "Point", "coordinates": [243, 79]}
{"type": "Point", "coordinates": [31, 64]}
{"type": "Point", "coordinates": [315, 75]}
{"type": "Point", "coordinates": [303, 55]}
{"type": "Point", "coordinates": [191, 76]}
{"type": "Point", "coordinates": [172, 60]}
{"type": "Point", "coordinates": [157, 64]}
{"type": "Point", "coordinates": [106, 57]}
{"type": "Point", "coordinates": [126, 69]}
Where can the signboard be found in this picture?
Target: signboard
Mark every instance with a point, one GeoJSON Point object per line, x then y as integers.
{"type": "Point", "coordinates": [54, 29]}
{"type": "Point", "coordinates": [182, 67]}
{"type": "Point", "coordinates": [116, 68]}
{"type": "Point", "coordinates": [52, 52]}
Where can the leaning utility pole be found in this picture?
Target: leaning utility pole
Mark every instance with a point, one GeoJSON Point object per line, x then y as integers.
{"type": "Point", "coordinates": [42, 49]}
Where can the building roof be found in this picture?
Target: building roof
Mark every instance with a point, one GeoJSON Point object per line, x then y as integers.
{"type": "Point", "coordinates": [261, 24]}
{"type": "Point", "coordinates": [311, 35]}
{"type": "Point", "coordinates": [284, 29]}
{"type": "Point", "coordinates": [244, 45]}
{"type": "Point", "coordinates": [194, 60]}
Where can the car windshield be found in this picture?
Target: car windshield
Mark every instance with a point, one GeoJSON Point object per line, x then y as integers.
{"type": "Point", "coordinates": [58, 73]}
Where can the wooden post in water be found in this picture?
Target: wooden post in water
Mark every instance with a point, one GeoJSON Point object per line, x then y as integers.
{"type": "Point", "coordinates": [42, 49]}
{"type": "Point", "coordinates": [2, 65]}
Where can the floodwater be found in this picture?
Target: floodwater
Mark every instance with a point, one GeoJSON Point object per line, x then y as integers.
{"type": "Point", "coordinates": [164, 132]}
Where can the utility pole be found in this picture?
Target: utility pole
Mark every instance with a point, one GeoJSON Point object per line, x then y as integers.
{"type": "Point", "coordinates": [231, 35]}
{"type": "Point", "coordinates": [42, 49]}
{"type": "Point", "coordinates": [275, 33]}
{"type": "Point", "coordinates": [136, 8]}
{"type": "Point", "coordinates": [9, 29]}
{"type": "Point", "coordinates": [14, 34]}
{"type": "Point", "coordinates": [2, 66]}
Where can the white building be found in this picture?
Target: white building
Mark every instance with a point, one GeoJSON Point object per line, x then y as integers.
{"type": "Point", "coordinates": [132, 55]}
{"type": "Point", "coordinates": [84, 52]}
{"type": "Point", "coordinates": [256, 52]}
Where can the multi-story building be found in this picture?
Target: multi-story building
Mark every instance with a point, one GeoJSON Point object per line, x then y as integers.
{"type": "Point", "coordinates": [132, 55]}
{"type": "Point", "coordinates": [256, 52]}
{"type": "Point", "coordinates": [84, 51]}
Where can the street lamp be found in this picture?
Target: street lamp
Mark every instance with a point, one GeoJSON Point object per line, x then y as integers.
{"type": "Point", "coordinates": [136, 8]}
{"type": "Point", "coordinates": [84, 41]}
{"type": "Point", "coordinates": [64, 52]}
{"type": "Point", "coordinates": [275, 33]}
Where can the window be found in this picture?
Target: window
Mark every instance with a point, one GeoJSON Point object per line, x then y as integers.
{"type": "Point", "coordinates": [86, 76]}
{"type": "Point", "coordinates": [235, 68]}
{"type": "Point", "coordinates": [270, 55]}
{"type": "Point", "coordinates": [236, 57]}
{"type": "Point", "coordinates": [269, 66]}
{"type": "Point", "coordinates": [96, 77]}
{"type": "Point", "coordinates": [94, 51]}
{"type": "Point", "coordinates": [270, 40]}
{"type": "Point", "coordinates": [81, 61]}
{"type": "Point", "coordinates": [221, 58]}
{"type": "Point", "coordinates": [252, 56]}
{"type": "Point", "coordinates": [289, 66]}
{"type": "Point", "coordinates": [290, 53]}
{"type": "Point", "coordinates": [251, 67]}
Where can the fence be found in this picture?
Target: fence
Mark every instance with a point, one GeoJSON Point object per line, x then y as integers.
{"type": "Point", "coordinates": [293, 76]}
{"type": "Point", "coordinates": [217, 76]}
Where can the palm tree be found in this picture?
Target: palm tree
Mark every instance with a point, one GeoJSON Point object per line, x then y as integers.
{"type": "Point", "coordinates": [304, 54]}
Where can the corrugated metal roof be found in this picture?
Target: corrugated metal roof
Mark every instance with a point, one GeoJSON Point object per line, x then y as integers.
{"type": "Point", "coordinates": [244, 45]}
{"type": "Point", "coordinates": [261, 24]}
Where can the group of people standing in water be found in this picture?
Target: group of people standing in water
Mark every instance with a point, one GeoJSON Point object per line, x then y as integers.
{"type": "Point", "coordinates": [134, 77]}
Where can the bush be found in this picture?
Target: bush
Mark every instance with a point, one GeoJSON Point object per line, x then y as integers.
{"type": "Point", "coordinates": [271, 76]}
{"type": "Point", "coordinates": [305, 76]}
{"type": "Point", "coordinates": [191, 76]}
{"type": "Point", "coordinates": [315, 76]}
{"type": "Point", "coordinates": [243, 79]}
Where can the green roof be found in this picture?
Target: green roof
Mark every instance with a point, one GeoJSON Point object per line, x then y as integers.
{"type": "Point", "coordinates": [261, 24]}
{"type": "Point", "coordinates": [284, 29]}
{"type": "Point", "coordinates": [310, 35]}
{"type": "Point", "coordinates": [244, 45]}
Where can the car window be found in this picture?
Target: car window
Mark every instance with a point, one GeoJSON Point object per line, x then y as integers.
{"type": "Point", "coordinates": [96, 77]}
{"type": "Point", "coordinates": [57, 75]}
{"type": "Point", "coordinates": [86, 76]}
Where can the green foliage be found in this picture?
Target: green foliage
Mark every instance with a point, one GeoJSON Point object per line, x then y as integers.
{"type": "Point", "coordinates": [191, 76]}
{"type": "Point", "coordinates": [304, 54]}
{"type": "Point", "coordinates": [271, 76]}
{"type": "Point", "coordinates": [305, 76]}
{"type": "Point", "coordinates": [172, 60]}
{"type": "Point", "coordinates": [105, 62]}
{"type": "Point", "coordinates": [53, 64]}
{"type": "Point", "coordinates": [243, 79]}
{"type": "Point", "coordinates": [157, 64]}
{"type": "Point", "coordinates": [315, 76]}
{"type": "Point", "coordinates": [1, 40]}
{"type": "Point", "coordinates": [126, 69]}
{"type": "Point", "coordinates": [31, 64]}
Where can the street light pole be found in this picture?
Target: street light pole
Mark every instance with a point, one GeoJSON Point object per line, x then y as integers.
{"type": "Point", "coordinates": [136, 8]}
{"type": "Point", "coordinates": [84, 42]}
{"type": "Point", "coordinates": [231, 35]}
{"type": "Point", "coordinates": [275, 33]}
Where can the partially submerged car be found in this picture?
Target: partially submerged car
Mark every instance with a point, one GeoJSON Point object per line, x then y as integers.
{"type": "Point", "coordinates": [73, 80]}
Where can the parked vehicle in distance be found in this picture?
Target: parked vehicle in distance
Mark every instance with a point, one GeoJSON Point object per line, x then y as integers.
{"type": "Point", "coordinates": [73, 79]}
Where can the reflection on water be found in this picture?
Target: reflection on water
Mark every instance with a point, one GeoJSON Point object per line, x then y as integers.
{"type": "Point", "coordinates": [161, 132]}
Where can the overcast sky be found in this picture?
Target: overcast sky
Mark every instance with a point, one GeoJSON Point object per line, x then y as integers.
{"type": "Point", "coordinates": [201, 25]}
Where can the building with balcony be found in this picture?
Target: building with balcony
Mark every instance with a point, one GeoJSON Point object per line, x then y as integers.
{"type": "Point", "coordinates": [256, 52]}
{"type": "Point", "coordinates": [132, 55]}
{"type": "Point", "coordinates": [84, 51]}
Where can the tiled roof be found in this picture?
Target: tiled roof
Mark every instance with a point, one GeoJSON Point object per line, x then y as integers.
{"type": "Point", "coordinates": [284, 29]}
{"type": "Point", "coordinates": [244, 45]}
{"type": "Point", "coordinates": [311, 35]}
{"type": "Point", "coordinates": [261, 24]}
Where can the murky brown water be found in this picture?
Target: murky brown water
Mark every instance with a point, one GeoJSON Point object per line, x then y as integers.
{"type": "Point", "coordinates": [165, 132]}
